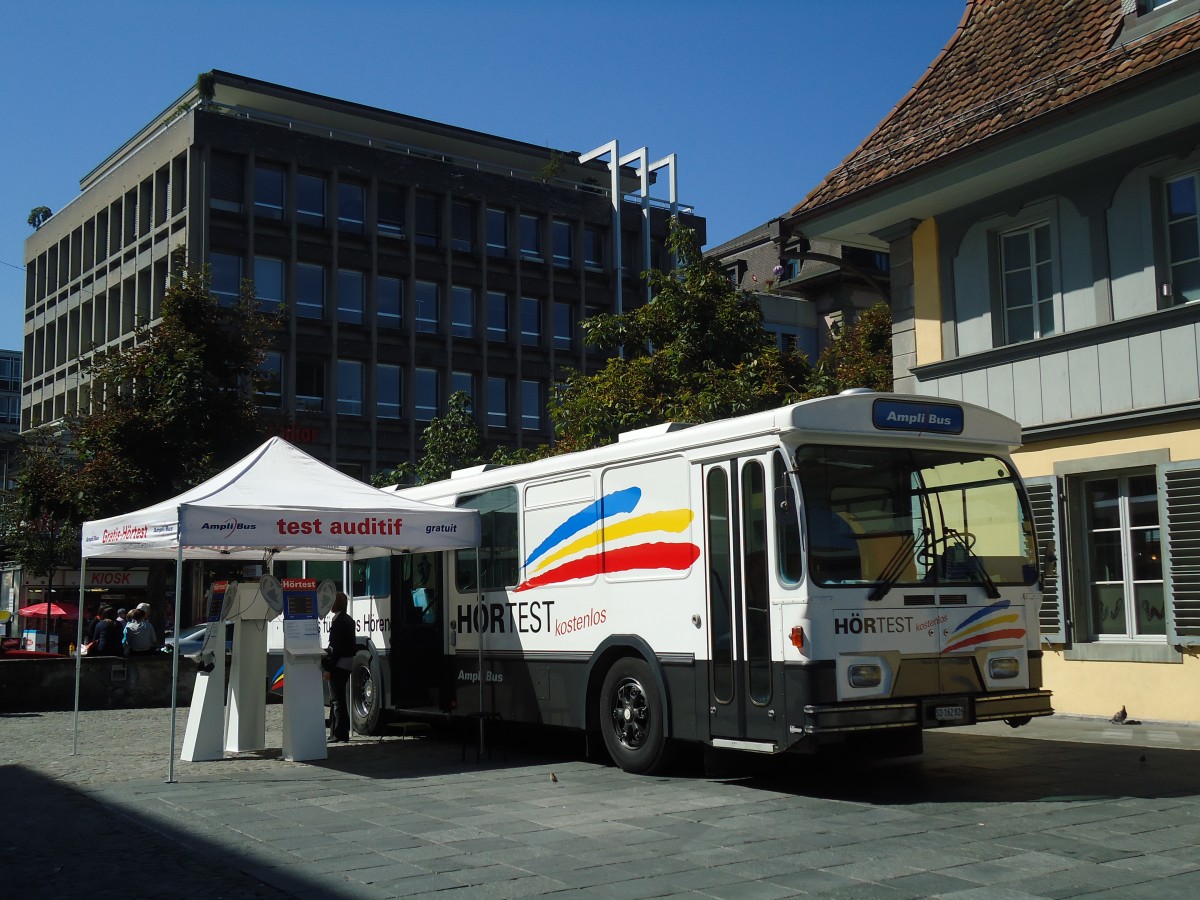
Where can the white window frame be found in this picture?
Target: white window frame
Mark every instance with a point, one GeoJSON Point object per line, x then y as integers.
{"type": "Point", "coordinates": [1036, 304]}
{"type": "Point", "coordinates": [1182, 223]}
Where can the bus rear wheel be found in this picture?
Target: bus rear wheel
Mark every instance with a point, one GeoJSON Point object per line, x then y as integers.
{"type": "Point", "coordinates": [366, 694]}
{"type": "Point", "coordinates": [631, 717]}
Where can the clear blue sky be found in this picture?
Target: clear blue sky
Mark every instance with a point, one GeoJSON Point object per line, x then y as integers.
{"type": "Point", "coordinates": [758, 98]}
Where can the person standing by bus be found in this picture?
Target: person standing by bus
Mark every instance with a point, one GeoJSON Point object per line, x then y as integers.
{"type": "Point", "coordinates": [338, 661]}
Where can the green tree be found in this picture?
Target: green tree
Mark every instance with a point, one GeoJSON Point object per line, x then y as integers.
{"type": "Point", "coordinates": [696, 353]}
{"type": "Point", "coordinates": [448, 442]}
{"type": "Point", "coordinates": [860, 355]}
{"type": "Point", "coordinates": [179, 405]}
{"type": "Point", "coordinates": [38, 216]}
{"type": "Point", "coordinates": [41, 514]}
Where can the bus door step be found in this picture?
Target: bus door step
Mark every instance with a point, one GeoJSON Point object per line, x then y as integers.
{"type": "Point", "coordinates": [753, 746]}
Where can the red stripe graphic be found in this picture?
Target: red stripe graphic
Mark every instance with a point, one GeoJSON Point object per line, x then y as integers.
{"type": "Point", "coordinates": [1001, 634]}
{"type": "Point", "coordinates": [640, 556]}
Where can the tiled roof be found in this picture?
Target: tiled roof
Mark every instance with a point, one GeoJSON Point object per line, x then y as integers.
{"type": "Point", "coordinates": [1009, 63]}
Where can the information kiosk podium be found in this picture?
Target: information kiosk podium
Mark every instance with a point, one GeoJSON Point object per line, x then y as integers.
{"type": "Point", "coordinates": [246, 713]}
{"type": "Point", "coordinates": [205, 725]}
{"type": "Point", "coordinates": [304, 605]}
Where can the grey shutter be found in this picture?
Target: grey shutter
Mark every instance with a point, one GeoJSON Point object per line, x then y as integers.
{"type": "Point", "coordinates": [1179, 488]}
{"type": "Point", "coordinates": [227, 178]}
{"type": "Point", "coordinates": [1043, 502]}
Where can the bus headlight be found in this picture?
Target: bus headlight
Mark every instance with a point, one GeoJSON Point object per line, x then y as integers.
{"type": "Point", "coordinates": [1004, 667]}
{"type": "Point", "coordinates": [863, 675]}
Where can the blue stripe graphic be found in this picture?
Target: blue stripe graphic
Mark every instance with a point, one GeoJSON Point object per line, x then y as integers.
{"type": "Point", "coordinates": [610, 505]}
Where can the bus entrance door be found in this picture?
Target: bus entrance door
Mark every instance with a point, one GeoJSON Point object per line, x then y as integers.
{"type": "Point", "coordinates": [417, 653]}
{"type": "Point", "coordinates": [739, 635]}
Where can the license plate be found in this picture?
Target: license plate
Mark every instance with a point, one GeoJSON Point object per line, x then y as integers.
{"type": "Point", "coordinates": [949, 713]}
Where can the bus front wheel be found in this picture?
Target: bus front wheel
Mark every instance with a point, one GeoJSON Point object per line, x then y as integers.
{"type": "Point", "coordinates": [366, 694]}
{"type": "Point", "coordinates": [631, 717]}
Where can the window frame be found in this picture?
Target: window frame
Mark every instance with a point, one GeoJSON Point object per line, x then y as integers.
{"type": "Point", "coordinates": [351, 314]}
{"type": "Point", "coordinates": [351, 398]}
{"type": "Point", "coordinates": [426, 379]}
{"type": "Point", "coordinates": [387, 316]}
{"type": "Point", "coordinates": [1170, 225]}
{"type": "Point", "coordinates": [389, 374]}
{"type": "Point", "coordinates": [304, 306]}
{"type": "Point", "coordinates": [270, 304]}
{"type": "Point", "coordinates": [531, 237]}
{"type": "Point", "coordinates": [311, 372]}
{"type": "Point", "coordinates": [462, 311]}
{"type": "Point", "coordinates": [264, 209]}
{"type": "Point", "coordinates": [351, 207]}
{"type": "Point", "coordinates": [497, 401]}
{"type": "Point", "coordinates": [424, 305]}
{"type": "Point", "coordinates": [531, 338]}
{"type": "Point", "coordinates": [317, 215]}
{"type": "Point", "coordinates": [1036, 302]}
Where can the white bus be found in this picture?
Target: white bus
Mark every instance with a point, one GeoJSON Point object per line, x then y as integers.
{"type": "Point", "coordinates": [840, 573]}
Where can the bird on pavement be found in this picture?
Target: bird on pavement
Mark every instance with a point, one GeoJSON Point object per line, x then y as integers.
{"type": "Point", "coordinates": [553, 777]}
{"type": "Point", "coordinates": [1120, 717]}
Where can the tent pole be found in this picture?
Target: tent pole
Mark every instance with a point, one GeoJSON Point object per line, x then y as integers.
{"type": "Point", "coordinates": [78, 654]}
{"type": "Point", "coordinates": [482, 618]}
{"type": "Point", "coordinates": [175, 658]}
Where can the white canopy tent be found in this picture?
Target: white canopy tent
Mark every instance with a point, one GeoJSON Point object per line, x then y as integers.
{"type": "Point", "coordinates": [276, 503]}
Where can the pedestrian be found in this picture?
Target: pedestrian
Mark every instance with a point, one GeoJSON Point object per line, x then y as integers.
{"type": "Point", "coordinates": [140, 638]}
{"type": "Point", "coordinates": [122, 618]}
{"type": "Point", "coordinates": [107, 640]}
{"type": "Point", "coordinates": [338, 661]}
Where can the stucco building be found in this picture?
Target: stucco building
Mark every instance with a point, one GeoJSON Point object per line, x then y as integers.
{"type": "Point", "coordinates": [1037, 192]}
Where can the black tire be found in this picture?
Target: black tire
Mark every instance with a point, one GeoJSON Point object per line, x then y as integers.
{"type": "Point", "coordinates": [366, 695]}
{"type": "Point", "coordinates": [632, 717]}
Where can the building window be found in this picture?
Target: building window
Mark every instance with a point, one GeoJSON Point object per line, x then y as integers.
{"type": "Point", "coordinates": [462, 311]}
{"type": "Point", "coordinates": [563, 248]}
{"type": "Point", "coordinates": [497, 402]}
{"type": "Point", "coordinates": [269, 184]}
{"type": "Point", "coordinates": [226, 277]}
{"type": "Point", "coordinates": [593, 247]}
{"type": "Point", "coordinates": [310, 291]}
{"type": "Point", "coordinates": [1123, 557]}
{"type": "Point", "coordinates": [1028, 284]}
{"type": "Point", "coordinates": [389, 302]}
{"type": "Point", "coordinates": [352, 207]}
{"type": "Point", "coordinates": [351, 296]}
{"type": "Point", "coordinates": [564, 326]}
{"type": "Point", "coordinates": [426, 307]}
{"type": "Point", "coordinates": [429, 221]}
{"type": "Point", "coordinates": [497, 316]}
{"type": "Point", "coordinates": [531, 321]}
{"type": "Point", "coordinates": [465, 382]}
{"type": "Point", "coordinates": [269, 388]}
{"type": "Point", "coordinates": [350, 387]}
{"type": "Point", "coordinates": [310, 200]}
{"type": "Point", "coordinates": [531, 238]}
{"type": "Point", "coordinates": [310, 385]}
{"type": "Point", "coordinates": [390, 214]}
{"type": "Point", "coordinates": [532, 405]}
{"type": "Point", "coordinates": [462, 226]}
{"type": "Point", "coordinates": [268, 283]}
{"type": "Point", "coordinates": [1183, 239]}
{"type": "Point", "coordinates": [497, 232]}
{"type": "Point", "coordinates": [425, 401]}
{"type": "Point", "coordinates": [387, 391]}
{"type": "Point", "coordinates": [227, 189]}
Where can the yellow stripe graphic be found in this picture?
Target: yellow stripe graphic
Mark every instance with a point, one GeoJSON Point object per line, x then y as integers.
{"type": "Point", "coordinates": [669, 520]}
{"type": "Point", "coordinates": [985, 624]}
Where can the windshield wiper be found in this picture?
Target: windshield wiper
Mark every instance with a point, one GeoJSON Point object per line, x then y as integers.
{"type": "Point", "coordinates": [964, 540]}
{"type": "Point", "coordinates": [895, 566]}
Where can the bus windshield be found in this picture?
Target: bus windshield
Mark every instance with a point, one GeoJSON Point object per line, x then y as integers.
{"type": "Point", "coordinates": [888, 516]}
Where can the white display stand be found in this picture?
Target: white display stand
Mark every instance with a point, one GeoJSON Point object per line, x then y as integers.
{"type": "Point", "coordinates": [246, 714]}
{"type": "Point", "coordinates": [205, 725]}
{"type": "Point", "coordinates": [304, 605]}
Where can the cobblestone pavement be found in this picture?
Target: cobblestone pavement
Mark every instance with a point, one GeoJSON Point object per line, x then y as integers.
{"type": "Point", "coordinates": [1065, 807]}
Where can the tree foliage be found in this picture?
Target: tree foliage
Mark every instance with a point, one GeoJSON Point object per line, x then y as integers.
{"type": "Point", "coordinates": [38, 216]}
{"type": "Point", "coordinates": [449, 442]}
{"type": "Point", "coordinates": [40, 515]}
{"type": "Point", "coordinates": [696, 353]}
{"type": "Point", "coordinates": [860, 355]}
{"type": "Point", "coordinates": [179, 405]}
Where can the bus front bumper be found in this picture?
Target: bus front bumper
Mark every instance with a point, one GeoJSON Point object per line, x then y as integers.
{"type": "Point", "coordinates": [941, 712]}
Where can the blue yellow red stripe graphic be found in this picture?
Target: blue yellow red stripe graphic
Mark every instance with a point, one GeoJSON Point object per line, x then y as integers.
{"type": "Point", "coordinates": [581, 546]}
{"type": "Point", "coordinates": [992, 623]}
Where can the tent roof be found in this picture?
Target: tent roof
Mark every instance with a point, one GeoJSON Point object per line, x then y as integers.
{"type": "Point", "coordinates": [279, 499]}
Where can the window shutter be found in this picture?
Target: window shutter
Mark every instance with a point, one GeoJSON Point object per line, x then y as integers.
{"type": "Point", "coordinates": [1179, 487]}
{"type": "Point", "coordinates": [227, 177]}
{"type": "Point", "coordinates": [1043, 501]}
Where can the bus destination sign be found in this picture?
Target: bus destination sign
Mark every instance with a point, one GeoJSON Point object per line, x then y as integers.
{"type": "Point", "coordinates": [906, 415]}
